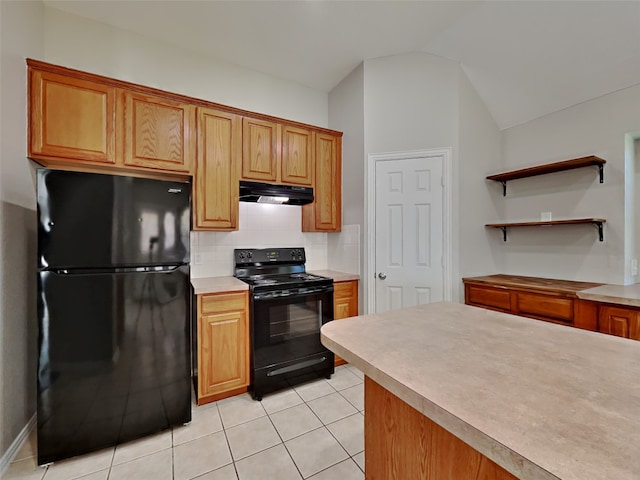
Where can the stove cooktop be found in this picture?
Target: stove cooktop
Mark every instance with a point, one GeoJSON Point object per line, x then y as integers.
{"type": "Point", "coordinates": [301, 278]}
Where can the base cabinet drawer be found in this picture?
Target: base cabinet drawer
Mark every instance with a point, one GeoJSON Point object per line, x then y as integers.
{"type": "Point", "coordinates": [546, 306]}
{"type": "Point", "coordinates": [488, 297]}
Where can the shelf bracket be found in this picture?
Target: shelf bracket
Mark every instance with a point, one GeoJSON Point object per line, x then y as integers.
{"type": "Point", "coordinates": [504, 187]}
{"type": "Point", "coordinates": [504, 233]}
{"type": "Point", "coordinates": [600, 228]}
{"type": "Point", "coordinates": [601, 170]}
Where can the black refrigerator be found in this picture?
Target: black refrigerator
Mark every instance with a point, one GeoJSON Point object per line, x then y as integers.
{"type": "Point", "coordinates": [114, 299]}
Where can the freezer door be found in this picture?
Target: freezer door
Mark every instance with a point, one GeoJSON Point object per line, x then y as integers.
{"type": "Point", "coordinates": [88, 220]}
{"type": "Point", "coordinates": [114, 359]}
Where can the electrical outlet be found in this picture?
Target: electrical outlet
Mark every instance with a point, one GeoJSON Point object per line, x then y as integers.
{"type": "Point", "coordinates": [545, 216]}
{"type": "Point", "coordinates": [197, 259]}
{"type": "Point", "coordinates": [634, 267]}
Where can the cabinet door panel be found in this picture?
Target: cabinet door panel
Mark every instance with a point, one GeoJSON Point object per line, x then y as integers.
{"type": "Point", "coordinates": [158, 133]}
{"type": "Point", "coordinates": [222, 344]}
{"type": "Point", "coordinates": [215, 199]}
{"type": "Point", "coordinates": [71, 118]}
{"type": "Point", "coordinates": [622, 322]}
{"type": "Point", "coordinates": [259, 150]}
{"type": "Point", "coordinates": [345, 304]}
{"type": "Point", "coordinates": [297, 156]}
{"type": "Point", "coordinates": [325, 213]}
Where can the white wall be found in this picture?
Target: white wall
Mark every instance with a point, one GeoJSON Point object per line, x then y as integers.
{"type": "Point", "coordinates": [260, 226]}
{"type": "Point", "coordinates": [410, 103]}
{"type": "Point", "coordinates": [87, 45]}
{"type": "Point", "coordinates": [77, 42]}
{"type": "Point", "coordinates": [31, 30]}
{"type": "Point", "coordinates": [346, 114]}
{"type": "Point", "coordinates": [597, 127]}
{"type": "Point", "coordinates": [21, 24]}
{"type": "Point", "coordinates": [480, 252]}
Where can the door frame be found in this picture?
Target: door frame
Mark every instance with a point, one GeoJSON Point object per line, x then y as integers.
{"type": "Point", "coordinates": [447, 219]}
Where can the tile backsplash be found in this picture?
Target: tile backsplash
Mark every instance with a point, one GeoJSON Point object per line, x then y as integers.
{"type": "Point", "coordinates": [260, 226]}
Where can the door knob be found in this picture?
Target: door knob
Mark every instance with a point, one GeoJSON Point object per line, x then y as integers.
{"type": "Point", "coordinates": [382, 276]}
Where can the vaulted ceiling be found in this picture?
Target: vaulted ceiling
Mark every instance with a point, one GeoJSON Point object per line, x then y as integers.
{"type": "Point", "coordinates": [525, 58]}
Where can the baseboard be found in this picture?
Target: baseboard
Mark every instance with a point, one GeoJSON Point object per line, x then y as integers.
{"type": "Point", "coordinates": [15, 447]}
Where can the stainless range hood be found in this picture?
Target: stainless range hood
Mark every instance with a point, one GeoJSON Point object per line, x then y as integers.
{"type": "Point", "coordinates": [275, 194]}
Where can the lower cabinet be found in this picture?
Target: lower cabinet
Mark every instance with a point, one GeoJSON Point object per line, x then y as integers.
{"type": "Point", "coordinates": [543, 299]}
{"type": "Point", "coordinates": [619, 321]}
{"type": "Point", "coordinates": [223, 345]}
{"type": "Point", "coordinates": [345, 304]}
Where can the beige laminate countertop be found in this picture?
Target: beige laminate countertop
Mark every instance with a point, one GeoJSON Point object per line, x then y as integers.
{"type": "Point", "coordinates": [541, 400]}
{"type": "Point", "coordinates": [217, 285]}
{"type": "Point", "coordinates": [337, 276]}
{"type": "Point", "coordinates": [618, 294]}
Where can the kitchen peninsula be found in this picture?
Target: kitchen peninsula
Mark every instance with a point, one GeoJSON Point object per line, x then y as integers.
{"type": "Point", "coordinates": [458, 392]}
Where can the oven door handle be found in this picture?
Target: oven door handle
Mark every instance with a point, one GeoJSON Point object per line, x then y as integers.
{"type": "Point", "coordinates": [266, 296]}
{"type": "Point", "coordinates": [319, 314]}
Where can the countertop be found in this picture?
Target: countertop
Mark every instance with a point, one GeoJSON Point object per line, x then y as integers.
{"type": "Point", "coordinates": [532, 283]}
{"type": "Point", "coordinates": [217, 285]}
{"type": "Point", "coordinates": [541, 400]}
{"type": "Point", "coordinates": [232, 284]}
{"type": "Point", "coordinates": [337, 276]}
{"type": "Point", "coordinates": [617, 294]}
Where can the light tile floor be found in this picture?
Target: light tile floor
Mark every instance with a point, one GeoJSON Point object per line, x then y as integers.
{"type": "Point", "coordinates": [311, 431]}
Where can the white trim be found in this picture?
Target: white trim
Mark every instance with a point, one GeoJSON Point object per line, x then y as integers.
{"type": "Point", "coordinates": [447, 212]}
{"type": "Point", "coordinates": [15, 447]}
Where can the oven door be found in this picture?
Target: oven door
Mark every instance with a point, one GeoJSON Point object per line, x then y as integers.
{"type": "Point", "coordinates": [286, 328]}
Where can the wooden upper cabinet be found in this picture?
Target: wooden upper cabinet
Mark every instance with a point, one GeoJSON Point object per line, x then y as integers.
{"type": "Point", "coordinates": [297, 156]}
{"type": "Point", "coordinates": [215, 196]}
{"type": "Point", "coordinates": [325, 213]}
{"type": "Point", "coordinates": [622, 322]}
{"type": "Point", "coordinates": [71, 119]}
{"type": "Point", "coordinates": [260, 150]}
{"type": "Point", "coordinates": [159, 133]}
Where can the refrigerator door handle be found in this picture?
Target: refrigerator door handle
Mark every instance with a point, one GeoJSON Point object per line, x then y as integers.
{"type": "Point", "coordinates": [91, 271]}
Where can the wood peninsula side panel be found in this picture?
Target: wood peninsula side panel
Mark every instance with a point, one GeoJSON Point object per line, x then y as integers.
{"type": "Point", "coordinates": [401, 444]}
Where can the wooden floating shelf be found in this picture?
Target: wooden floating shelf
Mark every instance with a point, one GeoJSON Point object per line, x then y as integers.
{"type": "Point", "coordinates": [598, 222]}
{"type": "Point", "coordinates": [549, 168]}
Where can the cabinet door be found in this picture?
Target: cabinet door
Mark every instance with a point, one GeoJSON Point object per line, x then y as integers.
{"type": "Point", "coordinates": [223, 354]}
{"type": "Point", "coordinates": [158, 133]}
{"type": "Point", "coordinates": [622, 322]}
{"type": "Point", "coordinates": [259, 150]}
{"type": "Point", "coordinates": [71, 119]}
{"type": "Point", "coordinates": [325, 213]}
{"type": "Point", "coordinates": [297, 156]}
{"type": "Point", "coordinates": [345, 304]}
{"type": "Point", "coordinates": [215, 197]}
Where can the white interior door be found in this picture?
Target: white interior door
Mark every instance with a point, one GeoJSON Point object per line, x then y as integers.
{"type": "Point", "coordinates": [409, 232]}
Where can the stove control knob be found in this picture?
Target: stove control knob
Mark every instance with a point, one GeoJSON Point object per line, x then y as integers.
{"type": "Point", "coordinates": [249, 254]}
{"type": "Point", "coordinates": [241, 255]}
